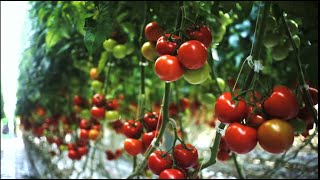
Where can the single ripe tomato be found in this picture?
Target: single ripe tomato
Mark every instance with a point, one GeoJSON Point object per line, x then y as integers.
{"type": "Point", "coordinates": [78, 100]}
{"type": "Point", "coordinates": [157, 162]}
{"type": "Point", "coordinates": [168, 68]}
{"type": "Point", "coordinates": [132, 129]}
{"type": "Point", "coordinates": [94, 73]}
{"type": "Point", "coordinates": [133, 146]}
{"type": "Point", "coordinates": [98, 100]}
{"type": "Point", "coordinates": [167, 45]}
{"type": "Point", "coordinates": [152, 120]}
{"type": "Point", "coordinates": [223, 155]}
{"type": "Point", "coordinates": [147, 138]}
{"type": "Point", "coordinates": [282, 103]}
{"type": "Point", "coordinates": [227, 111]}
{"type": "Point", "coordinates": [201, 33]}
{"type": "Point", "coordinates": [255, 120]}
{"type": "Point", "coordinates": [93, 134]}
{"type": "Point", "coordinates": [84, 134]}
{"type": "Point", "coordinates": [153, 31]}
{"type": "Point", "coordinates": [172, 174]}
{"type": "Point", "coordinates": [192, 54]}
{"type": "Point", "coordinates": [112, 104]}
{"type": "Point", "coordinates": [275, 136]}
{"type": "Point", "coordinates": [186, 157]}
{"type": "Point", "coordinates": [240, 139]}
{"type": "Point", "coordinates": [85, 124]}
{"type": "Point", "coordinates": [82, 150]}
{"type": "Point", "coordinates": [97, 112]}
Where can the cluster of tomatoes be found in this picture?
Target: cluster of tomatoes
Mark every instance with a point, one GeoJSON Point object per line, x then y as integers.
{"type": "Point", "coordinates": [185, 157]}
{"type": "Point", "coordinates": [178, 57]}
{"type": "Point", "coordinates": [118, 46]}
{"type": "Point", "coordinates": [276, 39]}
{"type": "Point", "coordinates": [271, 122]}
{"type": "Point", "coordinates": [137, 140]}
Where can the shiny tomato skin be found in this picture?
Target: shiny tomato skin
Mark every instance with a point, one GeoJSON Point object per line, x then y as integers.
{"type": "Point", "coordinates": [153, 31]}
{"type": "Point", "coordinates": [166, 45]}
{"type": "Point", "coordinates": [172, 174]}
{"type": "Point", "coordinates": [282, 103]}
{"type": "Point", "coordinates": [185, 158]}
{"type": "Point", "coordinates": [133, 146]}
{"type": "Point", "coordinates": [240, 139]}
{"type": "Point", "coordinates": [152, 120]}
{"type": "Point", "coordinates": [227, 111]}
{"type": "Point", "coordinates": [275, 136]}
{"type": "Point", "coordinates": [132, 129]}
{"type": "Point", "coordinates": [201, 33]}
{"type": "Point", "coordinates": [97, 112]}
{"type": "Point", "coordinates": [192, 54]}
{"type": "Point", "coordinates": [157, 163]}
{"type": "Point", "coordinates": [147, 138]}
{"type": "Point", "coordinates": [168, 68]}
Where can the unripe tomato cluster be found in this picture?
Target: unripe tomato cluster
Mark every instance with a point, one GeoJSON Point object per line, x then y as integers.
{"type": "Point", "coordinates": [118, 50]}
{"type": "Point", "coordinates": [178, 57]}
{"type": "Point", "coordinates": [276, 39]}
{"type": "Point", "coordinates": [269, 121]}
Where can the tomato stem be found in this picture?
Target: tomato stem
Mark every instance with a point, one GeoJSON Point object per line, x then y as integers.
{"type": "Point", "coordinates": [302, 80]}
{"type": "Point", "coordinates": [238, 167]}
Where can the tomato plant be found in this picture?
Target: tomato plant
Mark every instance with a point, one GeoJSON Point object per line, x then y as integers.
{"type": "Point", "coordinates": [227, 111]}
{"type": "Point", "coordinates": [167, 44]}
{"type": "Point", "coordinates": [240, 139]}
{"type": "Point", "coordinates": [275, 136]}
{"type": "Point", "coordinates": [159, 161]}
{"type": "Point", "coordinates": [192, 54]}
{"type": "Point", "coordinates": [201, 33]}
{"type": "Point", "coordinates": [153, 31]}
{"type": "Point", "coordinates": [168, 68]}
{"type": "Point", "coordinates": [133, 146]}
{"type": "Point", "coordinates": [282, 103]}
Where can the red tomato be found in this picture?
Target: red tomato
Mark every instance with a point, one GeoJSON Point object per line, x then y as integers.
{"type": "Point", "coordinates": [167, 45]}
{"type": "Point", "coordinates": [172, 174]}
{"type": "Point", "coordinates": [97, 112]}
{"type": "Point", "coordinates": [240, 139]}
{"type": "Point", "coordinates": [132, 129]}
{"type": "Point", "coordinates": [223, 155]}
{"type": "Point", "coordinates": [117, 125]}
{"type": "Point", "coordinates": [314, 95]}
{"type": "Point", "coordinates": [168, 68]}
{"type": "Point", "coordinates": [201, 33]}
{"type": "Point", "coordinates": [133, 146]}
{"type": "Point", "coordinates": [184, 103]}
{"type": "Point", "coordinates": [255, 120]}
{"type": "Point", "coordinates": [227, 111]}
{"type": "Point", "coordinates": [153, 31]}
{"type": "Point", "coordinates": [85, 124]}
{"type": "Point", "coordinates": [98, 100]}
{"type": "Point", "coordinates": [84, 134]}
{"type": "Point", "coordinates": [282, 103]}
{"type": "Point", "coordinates": [307, 117]}
{"type": "Point", "coordinates": [275, 136]}
{"type": "Point", "coordinates": [112, 104]}
{"type": "Point", "coordinates": [147, 138]}
{"type": "Point", "coordinates": [157, 162]}
{"type": "Point", "coordinates": [173, 109]}
{"type": "Point", "coordinates": [223, 146]}
{"type": "Point", "coordinates": [110, 155]}
{"type": "Point", "coordinates": [192, 54]}
{"type": "Point", "coordinates": [78, 100]}
{"type": "Point", "coordinates": [151, 119]}
{"type": "Point", "coordinates": [82, 150]}
{"type": "Point", "coordinates": [73, 154]}
{"type": "Point", "coordinates": [185, 158]}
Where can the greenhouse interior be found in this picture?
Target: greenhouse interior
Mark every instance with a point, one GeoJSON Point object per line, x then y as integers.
{"type": "Point", "coordinates": [159, 89]}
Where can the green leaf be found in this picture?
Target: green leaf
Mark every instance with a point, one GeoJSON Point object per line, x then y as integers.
{"type": "Point", "coordinates": [53, 36]}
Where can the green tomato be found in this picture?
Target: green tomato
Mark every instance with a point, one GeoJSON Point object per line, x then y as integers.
{"type": "Point", "coordinates": [63, 147]}
{"type": "Point", "coordinates": [280, 52]}
{"type": "Point", "coordinates": [298, 125]}
{"type": "Point", "coordinates": [112, 115]}
{"type": "Point", "coordinates": [293, 26]}
{"type": "Point", "coordinates": [119, 51]}
{"type": "Point", "coordinates": [221, 83]}
{"type": "Point", "coordinates": [270, 39]}
{"type": "Point", "coordinates": [197, 76]}
{"type": "Point", "coordinates": [109, 44]}
{"type": "Point", "coordinates": [207, 99]}
{"type": "Point", "coordinates": [130, 48]}
{"type": "Point", "coordinates": [96, 85]}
